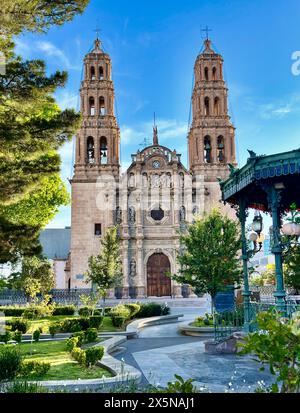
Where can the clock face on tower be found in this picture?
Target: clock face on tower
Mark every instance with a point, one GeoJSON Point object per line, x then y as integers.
{"type": "Point", "coordinates": [156, 164]}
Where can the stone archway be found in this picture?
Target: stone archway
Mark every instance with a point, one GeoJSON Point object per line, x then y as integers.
{"type": "Point", "coordinates": [158, 283]}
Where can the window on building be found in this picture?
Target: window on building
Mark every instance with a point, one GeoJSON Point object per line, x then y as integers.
{"type": "Point", "coordinates": [157, 214]}
{"type": "Point", "coordinates": [206, 106]}
{"type": "Point", "coordinates": [90, 150]}
{"type": "Point", "coordinates": [102, 109]}
{"type": "Point", "coordinates": [93, 76]}
{"type": "Point", "coordinates": [92, 106]}
{"type": "Point", "coordinates": [103, 150]}
{"type": "Point", "coordinates": [98, 230]}
{"type": "Point", "coordinates": [214, 73]}
{"type": "Point", "coordinates": [206, 73]}
{"type": "Point", "coordinates": [101, 74]}
{"type": "Point", "coordinates": [217, 106]}
{"type": "Point", "coordinates": [207, 149]}
{"type": "Point", "coordinates": [220, 145]}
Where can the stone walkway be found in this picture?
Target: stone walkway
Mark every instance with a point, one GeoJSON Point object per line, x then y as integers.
{"type": "Point", "coordinates": [160, 352]}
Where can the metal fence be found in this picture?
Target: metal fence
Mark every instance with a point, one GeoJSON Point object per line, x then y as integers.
{"type": "Point", "coordinates": [226, 323]}
{"type": "Point", "coordinates": [59, 296]}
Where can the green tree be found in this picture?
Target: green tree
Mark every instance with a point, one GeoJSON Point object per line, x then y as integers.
{"type": "Point", "coordinates": [17, 16]}
{"type": "Point", "coordinates": [210, 260]}
{"type": "Point", "coordinates": [292, 267]}
{"type": "Point", "coordinates": [105, 269]}
{"type": "Point", "coordinates": [39, 207]}
{"type": "Point", "coordinates": [36, 276]}
{"type": "Point", "coordinates": [32, 128]}
{"type": "Point", "coordinates": [3, 283]}
{"type": "Point", "coordinates": [277, 343]}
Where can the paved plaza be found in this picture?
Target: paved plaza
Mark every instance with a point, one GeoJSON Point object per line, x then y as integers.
{"type": "Point", "coordinates": [160, 352]}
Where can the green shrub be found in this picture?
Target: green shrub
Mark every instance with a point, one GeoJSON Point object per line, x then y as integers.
{"type": "Point", "coordinates": [107, 310]}
{"type": "Point", "coordinates": [180, 386]}
{"type": "Point", "coordinates": [118, 321]}
{"type": "Point", "coordinates": [36, 335]}
{"type": "Point", "coordinates": [152, 310]}
{"type": "Point", "coordinates": [10, 361]}
{"type": "Point", "coordinates": [32, 313]}
{"type": "Point", "coordinates": [205, 321]}
{"type": "Point", "coordinates": [84, 311]}
{"type": "Point", "coordinates": [18, 324]}
{"type": "Point", "coordinates": [91, 335]}
{"type": "Point", "coordinates": [7, 336]}
{"type": "Point", "coordinates": [165, 309]}
{"type": "Point", "coordinates": [71, 343]}
{"type": "Point", "coordinates": [34, 367]}
{"type": "Point", "coordinates": [12, 311]}
{"type": "Point", "coordinates": [133, 308]}
{"type": "Point", "coordinates": [81, 337]}
{"type": "Point", "coordinates": [72, 325]}
{"type": "Point", "coordinates": [25, 387]}
{"type": "Point", "coordinates": [93, 354]}
{"type": "Point", "coordinates": [55, 328]}
{"type": "Point", "coordinates": [17, 336]}
{"type": "Point", "coordinates": [64, 310]}
{"type": "Point", "coordinates": [276, 343]}
{"type": "Point", "coordinates": [120, 310]}
{"type": "Point", "coordinates": [96, 321]}
{"type": "Point", "coordinates": [79, 355]}
{"type": "Point", "coordinates": [97, 312]}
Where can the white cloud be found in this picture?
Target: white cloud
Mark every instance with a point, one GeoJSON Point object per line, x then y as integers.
{"type": "Point", "coordinates": [167, 129]}
{"type": "Point", "coordinates": [65, 100]}
{"type": "Point", "coordinates": [48, 49]}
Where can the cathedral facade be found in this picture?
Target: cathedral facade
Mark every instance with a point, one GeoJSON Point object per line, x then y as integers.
{"type": "Point", "coordinates": [155, 199]}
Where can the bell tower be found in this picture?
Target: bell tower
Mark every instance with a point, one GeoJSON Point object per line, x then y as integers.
{"type": "Point", "coordinates": [97, 142]}
{"type": "Point", "coordinates": [96, 169]}
{"type": "Point", "coordinates": [211, 141]}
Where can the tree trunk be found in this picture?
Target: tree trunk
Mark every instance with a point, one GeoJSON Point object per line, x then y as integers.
{"type": "Point", "coordinates": [103, 305]}
{"type": "Point", "coordinates": [213, 300]}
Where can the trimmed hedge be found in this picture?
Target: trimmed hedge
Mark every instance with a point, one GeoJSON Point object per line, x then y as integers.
{"type": "Point", "coordinates": [39, 368]}
{"type": "Point", "coordinates": [12, 311]}
{"type": "Point", "coordinates": [73, 325]}
{"type": "Point", "coordinates": [152, 310]}
{"type": "Point", "coordinates": [96, 321]}
{"type": "Point", "coordinates": [93, 354]}
{"type": "Point", "coordinates": [15, 311]}
{"type": "Point", "coordinates": [64, 310]}
{"type": "Point", "coordinates": [10, 361]}
{"type": "Point", "coordinates": [19, 324]}
{"type": "Point", "coordinates": [133, 308]}
{"type": "Point", "coordinates": [119, 315]}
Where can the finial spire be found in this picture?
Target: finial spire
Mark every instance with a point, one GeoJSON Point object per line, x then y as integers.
{"type": "Point", "coordinates": [206, 30]}
{"type": "Point", "coordinates": [155, 133]}
{"type": "Point", "coordinates": [97, 41]}
{"type": "Point", "coordinates": [207, 41]}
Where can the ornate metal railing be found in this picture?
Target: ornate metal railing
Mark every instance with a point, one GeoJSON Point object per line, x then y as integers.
{"type": "Point", "coordinates": [227, 322]}
{"type": "Point", "coordinates": [59, 296]}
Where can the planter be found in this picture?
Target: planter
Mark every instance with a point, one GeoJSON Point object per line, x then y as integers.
{"type": "Point", "coordinates": [189, 330]}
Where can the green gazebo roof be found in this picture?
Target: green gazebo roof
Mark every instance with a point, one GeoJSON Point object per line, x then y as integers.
{"type": "Point", "coordinates": [281, 169]}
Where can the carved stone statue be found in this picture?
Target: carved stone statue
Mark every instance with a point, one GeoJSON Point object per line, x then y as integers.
{"type": "Point", "coordinates": [132, 268]}
{"type": "Point", "coordinates": [131, 215]}
{"type": "Point", "coordinates": [182, 213]}
{"type": "Point", "coordinates": [118, 215]}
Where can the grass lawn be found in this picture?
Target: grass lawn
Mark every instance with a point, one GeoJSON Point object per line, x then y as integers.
{"type": "Point", "coordinates": [63, 367]}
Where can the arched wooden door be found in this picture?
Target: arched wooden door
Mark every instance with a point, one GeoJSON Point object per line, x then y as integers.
{"type": "Point", "coordinates": [158, 283]}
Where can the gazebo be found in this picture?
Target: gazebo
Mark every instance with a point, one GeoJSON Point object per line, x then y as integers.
{"type": "Point", "coordinates": [270, 184]}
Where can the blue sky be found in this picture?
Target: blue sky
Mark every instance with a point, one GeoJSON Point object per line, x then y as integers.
{"type": "Point", "coordinates": [153, 45]}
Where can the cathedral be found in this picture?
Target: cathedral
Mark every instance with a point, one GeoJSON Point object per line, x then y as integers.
{"type": "Point", "coordinates": [154, 200]}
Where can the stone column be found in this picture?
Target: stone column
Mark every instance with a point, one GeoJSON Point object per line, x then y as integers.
{"type": "Point", "coordinates": [125, 289]}
{"type": "Point", "coordinates": [141, 278]}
